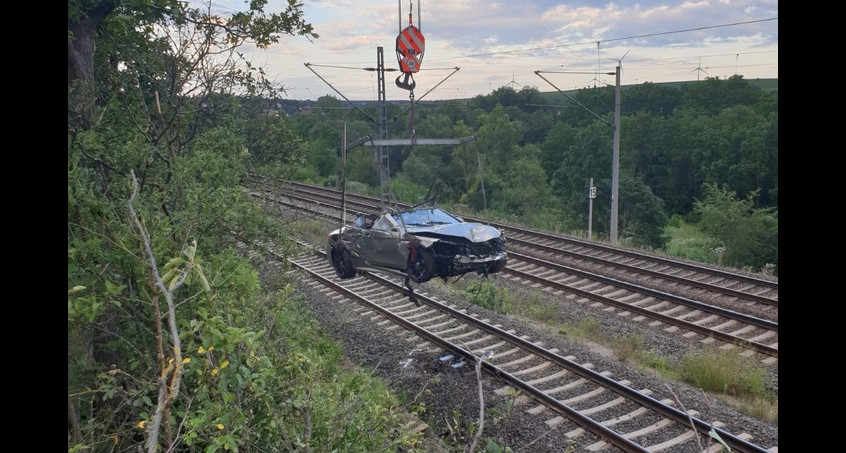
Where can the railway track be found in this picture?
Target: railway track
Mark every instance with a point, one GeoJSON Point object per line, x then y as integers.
{"type": "Point", "coordinates": [726, 286]}
{"type": "Point", "coordinates": [735, 324]}
{"type": "Point", "coordinates": [590, 406]}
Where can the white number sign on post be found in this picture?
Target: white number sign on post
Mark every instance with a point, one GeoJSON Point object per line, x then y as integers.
{"type": "Point", "coordinates": [591, 196]}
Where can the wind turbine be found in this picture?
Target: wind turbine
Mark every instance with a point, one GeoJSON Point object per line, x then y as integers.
{"type": "Point", "coordinates": [620, 60]}
{"type": "Point", "coordinates": [512, 82]}
{"type": "Point", "coordinates": [699, 69]}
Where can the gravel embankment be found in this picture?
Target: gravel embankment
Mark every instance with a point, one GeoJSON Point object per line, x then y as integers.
{"type": "Point", "coordinates": [451, 394]}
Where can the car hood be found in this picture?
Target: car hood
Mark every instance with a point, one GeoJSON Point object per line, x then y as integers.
{"type": "Point", "coordinates": [474, 232]}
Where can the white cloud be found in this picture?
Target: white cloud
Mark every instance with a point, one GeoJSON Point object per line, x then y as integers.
{"type": "Point", "coordinates": [496, 42]}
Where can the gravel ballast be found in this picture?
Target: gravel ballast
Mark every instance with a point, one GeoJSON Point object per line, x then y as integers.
{"type": "Point", "coordinates": [413, 368]}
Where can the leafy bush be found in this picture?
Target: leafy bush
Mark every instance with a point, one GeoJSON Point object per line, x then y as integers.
{"type": "Point", "coordinates": [747, 236]}
{"type": "Point", "coordinates": [486, 294]}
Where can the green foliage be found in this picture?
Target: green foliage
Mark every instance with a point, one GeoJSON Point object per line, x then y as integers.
{"type": "Point", "coordinates": [180, 269]}
{"type": "Point", "coordinates": [361, 167]}
{"type": "Point", "coordinates": [723, 371]}
{"type": "Point", "coordinates": [270, 139]}
{"type": "Point", "coordinates": [749, 235]}
{"type": "Point", "coordinates": [765, 408]}
{"type": "Point", "coordinates": [407, 191]}
{"type": "Point", "coordinates": [533, 305]}
{"type": "Point", "coordinates": [587, 328]}
{"type": "Point", "coordinates": [320, 165]}
{"type": "Point", "coordinates": [641, 216]}
{"type": "Point", "coordinates": [687, 241]}
{"type": "Point", "coordinates": [261, 388]}
{"type": "Point", "coordinates": [498, 140]}
{"type": "Point", "coordinates": [362, 188]}
{"type": "Point", "coordinates": [524, 191]}
{"type": "Point", "coordinates": [570, 179]}
{"type": "Point", "coordinates": [190, 155]}
{"type": "Point", "coordinates": [672, 145]}
{"type": "Point", "coordinates": [628, 347]}
{"type": "Point", "coordinates": [659, 363]}
{"type": "Point", "coordinates": [493, 447]}
{"type": "Point", "coordinates": [486, 294]}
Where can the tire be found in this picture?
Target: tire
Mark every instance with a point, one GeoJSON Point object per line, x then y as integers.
{"type": "Point", "coordinates": [342, 263]}
{"type": "Point", "coordinates": [497, 267]}
{"type": "Point", "coordinates": [421, 265]}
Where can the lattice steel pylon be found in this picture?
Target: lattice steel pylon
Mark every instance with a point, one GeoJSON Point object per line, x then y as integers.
{"type": "Point", "coordinates": [381, 152]}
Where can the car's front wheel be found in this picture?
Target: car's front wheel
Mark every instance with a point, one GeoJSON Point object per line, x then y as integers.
{"type": "Point", "coordinates": [342, 262]}
{"type": "Point", "coordinates": [421, 265]}
{"type": "Point", "coordinates": [496, 267]}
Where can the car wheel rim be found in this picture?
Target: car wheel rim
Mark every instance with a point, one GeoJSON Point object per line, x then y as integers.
{"type": "Point", "coordinates": [338, 261]}
{"type": "Point", "coordinates": [416, 271]}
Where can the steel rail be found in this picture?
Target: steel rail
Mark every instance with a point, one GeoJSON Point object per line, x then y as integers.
{"type": "Point", "coordinates": [658, 274]}
{"type": "Point", "coordinates": [591, 244]}
{"type": "Point", "coordinates": [617, 439]}
{"type": "Point", "coordinates": [763, 323]}
{"type": "Point", "coordinates": [705, 331]}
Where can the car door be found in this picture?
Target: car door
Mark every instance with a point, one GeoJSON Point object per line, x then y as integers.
{"type": "Point", "coordinates": [357, 238]}
{"type": "Point", "coordinates": [385, 247]}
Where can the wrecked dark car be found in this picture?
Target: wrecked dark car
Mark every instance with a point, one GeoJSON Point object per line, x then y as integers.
{"type": "Point", "coordinates": [419, 244]}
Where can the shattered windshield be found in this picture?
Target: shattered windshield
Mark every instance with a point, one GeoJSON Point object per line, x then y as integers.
{"type": "Point", "coordinates": [422, 217]}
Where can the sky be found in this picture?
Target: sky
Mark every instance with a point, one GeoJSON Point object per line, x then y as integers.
{"type": "Point", "coordinates": [474, 47]}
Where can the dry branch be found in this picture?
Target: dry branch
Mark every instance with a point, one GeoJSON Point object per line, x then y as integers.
{"type": "Point", "coordinates": [170, 372]}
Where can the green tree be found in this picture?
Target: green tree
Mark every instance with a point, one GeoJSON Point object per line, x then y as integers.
{"type": "Point", "coordinates": [157, 150]}
{"type": "Point", "coordinates": [745, 161]}
{"type": "Point", "coordinates": [499, 138]}
{"type": "Point", "coordinates": [641, 217]}
{"type": "Point", "coordinates": [650, 97]}
{"type": "Point", "coordinates": [555, 144]}
{"type": "Point", "coordinates": [466, 183]}
{"type": "Point", "coordinates": [744, 235]}
{"type": "Point", "coordinates": [137, 50]}
{"type": "Point", "coordinates": [323, 154]}
{"type": "Point", "coordinates": [588, 156]}
{"type": "Point", "coordinates": [712, 94]}
{"type": "Point", "coordinates": [525, 193]}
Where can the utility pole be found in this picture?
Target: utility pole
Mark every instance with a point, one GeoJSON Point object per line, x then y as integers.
{"type": "Point", "coordinates": [615, 169]}
{"type": "Point", "coordinates": [344, 175]}
{"type": "Point", "coordinates": [615, 166]}
{"type": "Point", "coordinates": [382, 151]}
{"type": "Point", "coordinates": [382, 144]}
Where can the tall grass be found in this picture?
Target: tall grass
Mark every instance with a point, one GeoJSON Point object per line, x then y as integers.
{"type": "Point", "coordinates": [688, 242]}
{"type": "Point", "coordinates": [731, 373]}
